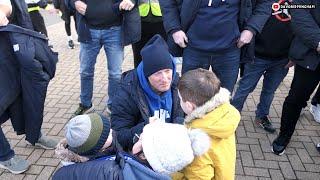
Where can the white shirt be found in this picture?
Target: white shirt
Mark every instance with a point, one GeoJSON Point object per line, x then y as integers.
{"type": "Point", "coordinates": [5, 2]}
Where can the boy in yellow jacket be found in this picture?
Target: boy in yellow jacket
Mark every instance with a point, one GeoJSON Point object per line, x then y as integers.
{"type": "Point", "coordinates": [207, 107]}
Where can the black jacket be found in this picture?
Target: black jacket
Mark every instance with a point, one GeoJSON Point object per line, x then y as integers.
{"type": "Point", "coordinates": [25, 76]}
{"type": "Point", "coordinates": [130, 28]}
{"type": "Point", "coordinates": [179, 15]}
{"type": "Point", "coordinates": [306, 26]}
{"type": "Point", "coordinates": [130, 112]}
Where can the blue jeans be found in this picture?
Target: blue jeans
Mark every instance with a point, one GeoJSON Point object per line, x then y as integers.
{"type": "Point", "coordinates": [273, 72]}
{"type": "Point", "coordinates": [110, 39]}
{"type": "Point", "coordinates": [225, 64]}
{"type": "Point", "coordinates": [6, 152]}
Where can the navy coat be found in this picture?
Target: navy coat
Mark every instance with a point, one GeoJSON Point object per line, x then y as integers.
{"type": "Point", "coordinates": [306, 26]}
{"type": "Point", "coordinates": [24, 80]}
{"type": "Point", "coordinates": [120, 167]}
{"type": "Point", "coordinates": [130, 111]}
{"type": "Point", "coordinates": [179, 15]}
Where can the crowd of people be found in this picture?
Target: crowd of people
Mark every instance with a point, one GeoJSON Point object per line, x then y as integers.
{"type": "Point", "coordinates": [184, 126]}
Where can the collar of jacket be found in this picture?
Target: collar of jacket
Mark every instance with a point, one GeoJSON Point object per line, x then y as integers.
{"type": "Point", "coordinates": [220, 98]}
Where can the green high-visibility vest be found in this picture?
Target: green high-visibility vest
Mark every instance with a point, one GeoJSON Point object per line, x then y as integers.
{"type": "Point", "coordinates": [146, 5]}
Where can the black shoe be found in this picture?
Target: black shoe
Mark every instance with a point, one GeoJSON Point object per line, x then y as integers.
{"type": "Point", "coordinates": [265, 123]}
{"type": "Point", "coordinates": [278, 148]}
{"type": "Point", "coordinates": [83, 110]}
{"type": "Point", "coordinates": [70, 44]}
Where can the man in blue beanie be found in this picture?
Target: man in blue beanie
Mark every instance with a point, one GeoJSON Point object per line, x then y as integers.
{"type": "Point", "coordinates": [150, 90]}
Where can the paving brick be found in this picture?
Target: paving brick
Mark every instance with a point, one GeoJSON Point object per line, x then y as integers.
{"type": "Point", "coordinates": [239, 169]}
{"type": "Point", "coordinates": [296, 163]}
{"type": "Point", "coordinates": [307, 175]}
{"type": "Point", "coordinates": [256, 172]}
{"type": "Point", "coordinates": [246, 158]}
{"type": "Point", "coordinates": [30, 177]}
{"type": "Point", "coordinates": [312, 168]}
{"type": "Point", "coordinates": [243, 147]}
{"type": "Point", "coordinates": [266, 164]}
{"type": "Point", "coordinates": [256, 152]}
{"type": "Point", "coordinates": [36, 154]}
{"type": "Point", "coordinates": [34, 169]}
{"type": "Point", "coordinates": [276, 174]}
{"type": "Point", "coordinates": [273, 157]}
{"type": "Point", "coordinates": [304, 156]}
{"type": "Point", "coordinates": [247, 141]}
{"type": "Point", "coordinates": [10, 176]}
{"type": "Point", "coordinates": [246, 178]}
{"type": "Point", "coordinates": [48, 153]}
{"type": "Point", "coordinates": [287, 170]}
{"type": "Point", "coordinates": [48, 162]}
{"type": "Point", "coordinates": [46, 173]}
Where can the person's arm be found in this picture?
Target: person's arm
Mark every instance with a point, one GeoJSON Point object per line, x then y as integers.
{"type": "Point", "coordinates": [305, 27]}
{"type": "Point", "coordinates": [170, 15]}
{"type": "Point", "coordinates": [254, 25]}
{"type": "Point", "coordinates": [125, 118]}
{"type": "Point", "coordinates": [260, 15]}
{"type": "Point", "coordinates": [5, 11]}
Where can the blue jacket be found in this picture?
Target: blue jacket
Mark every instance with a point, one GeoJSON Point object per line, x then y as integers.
{"type": "Point", "coordinates": [179, 15]}
{"type": "Point", "coordinates": [306, 26]}
{"type": "Point", "coordinates": [130, 28]}
{"type": "Point", "coordinates": [120, 167]}
{"type": "Point", "coordinates": [25, 75]}
{"type": "Point", "coordinates": [130, 111]}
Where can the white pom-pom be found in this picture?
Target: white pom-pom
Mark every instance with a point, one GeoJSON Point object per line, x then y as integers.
{"type": "Point", "coordinates": [200, 141]}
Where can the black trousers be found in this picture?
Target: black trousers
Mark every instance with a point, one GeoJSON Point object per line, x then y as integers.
{"type": "Point", "coordinates": [303, 84]}
{"type": "Point", "coordinates": [148, 29]}
{"type": "Point", "coordinates": [67, 23]}
{"type": "Point", "coordinates": [38, 22]}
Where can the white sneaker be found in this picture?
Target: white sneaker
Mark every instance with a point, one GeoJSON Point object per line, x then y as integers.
{"type": "Point", "coordinates": [315, 111]}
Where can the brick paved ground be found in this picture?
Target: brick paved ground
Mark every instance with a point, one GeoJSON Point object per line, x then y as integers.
{"type": "Point", "coordinates": [254, 157]}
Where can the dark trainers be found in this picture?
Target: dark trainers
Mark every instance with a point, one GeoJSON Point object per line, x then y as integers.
{"type": "Point", "coordinates": [45, 142]}
{"type": "Point", "coordinates": [265, 123]}
{"type": "Point", "coordinates": [83, 110]}
{"type": "Point", "coordinates": [15, 165]}
{"type": "Point", "coordinates": [279, 145]}
{"type": "Point", "coordinates": [70, 44]}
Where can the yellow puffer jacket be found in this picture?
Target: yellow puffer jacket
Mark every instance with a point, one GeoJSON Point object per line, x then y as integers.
{"type": "Point", "coordinates": [219, 119]}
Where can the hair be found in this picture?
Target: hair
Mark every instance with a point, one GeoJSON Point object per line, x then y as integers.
{"type": "Point", "coordinates": [198, 86]}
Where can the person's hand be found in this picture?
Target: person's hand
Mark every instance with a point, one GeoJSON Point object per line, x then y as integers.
{"type": "Point", "coordinates": [180, 38]}
{"type": "Point", "coordinates": [126, 5]}
{"type": "Point", "coordinates": [245, 38]}
{"type": "Point", "coordinates": [53, 11]}
{"type": "Point", "coordinates": [318, 48]}
{"type": "Point", "coordinates": [3, 19]}
{"type": "Point", "coordinates": [290, 64]}
{"type": "Point", "coordinates": [81, 7]}
{"type": "Point", "coordinates": [153, 119]}
{"type": "Point", "coordinates": [137, 147]}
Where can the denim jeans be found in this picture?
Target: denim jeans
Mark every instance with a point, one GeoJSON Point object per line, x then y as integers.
{"type": "Point", "coordinates": [273, 72]}
{"type": "Point", "coordinates": [110, 39]}
{"type": "Point", "coordinates": [6, 152]}
{"type": "Point", "coordinates": [225, 64]}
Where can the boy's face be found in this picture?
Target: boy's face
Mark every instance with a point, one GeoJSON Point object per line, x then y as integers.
{"type": "Point", "coordinates": [187, 106]}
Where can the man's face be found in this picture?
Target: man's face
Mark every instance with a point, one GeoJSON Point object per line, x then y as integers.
{"type": "Point", "coordinates": [160, 81]}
